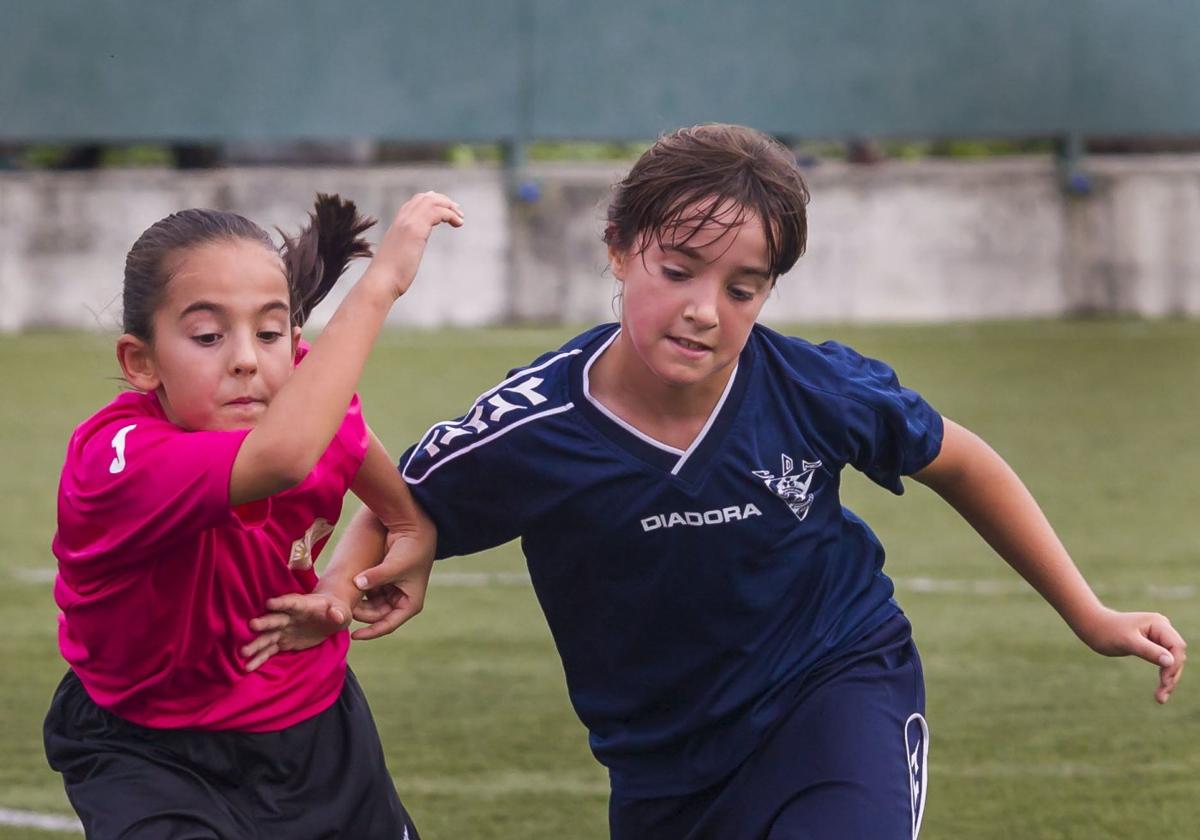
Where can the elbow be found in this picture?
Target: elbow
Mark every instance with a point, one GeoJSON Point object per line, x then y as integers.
{"type": "Point", "coordinates": [286, 466]}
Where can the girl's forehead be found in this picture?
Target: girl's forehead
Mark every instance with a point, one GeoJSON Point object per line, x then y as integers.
{"type": "Point", "coordinates": [710, 224]}
{"type": "Point", "coordinates": [705, 218]}
{"type": "Point", "coordinates": [224, 271]}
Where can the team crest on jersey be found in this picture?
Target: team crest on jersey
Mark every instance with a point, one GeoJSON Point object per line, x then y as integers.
{"type": "Point", "coordinates": [302, 549]}
{"type": "Point", "coordinates": [792, 485]}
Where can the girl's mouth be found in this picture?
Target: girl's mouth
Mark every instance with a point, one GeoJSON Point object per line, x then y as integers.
{"type": "Point", "coordinates": [691, 348]}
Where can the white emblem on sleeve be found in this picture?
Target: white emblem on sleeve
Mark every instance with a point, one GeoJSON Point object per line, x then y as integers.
{"type": "Point", "coordinates": [302, 549]}
{"type": "Point", "coordinates": [118, 445]}
{"type": "Point", "coordinates": [476, 424]}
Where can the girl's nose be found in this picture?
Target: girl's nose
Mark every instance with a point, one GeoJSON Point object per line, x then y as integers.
{"type": "Point", "coordinates": [702, 310]}
{"type": "Point", "coordinates": [243, 361]}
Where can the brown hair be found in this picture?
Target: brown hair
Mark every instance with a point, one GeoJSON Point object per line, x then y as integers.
{"type": "Point", "coordinates": [714, 173]}
{"type": "Point", "coordinates": [313, 260]}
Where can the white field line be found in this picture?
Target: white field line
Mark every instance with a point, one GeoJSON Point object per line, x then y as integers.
{"type": "Point", "coordinates": [923, 585]}
{"type": "Point", "coordinates": [41, 574]}
{"type": "Point", "coordinates": [986, 587]}
{"type": "Point", "coordinates": [502, 784]}
{"type": "Point", "coordinates": [479, 578]}
{"type": "Point", "coordinates": [1066, 770]}
{"type": "Point", "coordinates": [45, 822]}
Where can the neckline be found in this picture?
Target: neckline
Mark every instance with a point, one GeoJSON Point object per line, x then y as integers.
{"type": "Point", "coordinates": [677, 462]}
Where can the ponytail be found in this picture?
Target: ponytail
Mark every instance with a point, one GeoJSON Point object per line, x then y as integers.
{"type": "Point", "coordinates": [316, 257]}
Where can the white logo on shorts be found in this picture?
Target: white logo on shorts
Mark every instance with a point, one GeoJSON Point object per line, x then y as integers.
{"type": "Point", "coordinates": [916, 747]}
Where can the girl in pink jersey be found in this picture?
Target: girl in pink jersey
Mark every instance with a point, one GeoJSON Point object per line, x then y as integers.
{"type": "Point", "coordinates": [189, 502]}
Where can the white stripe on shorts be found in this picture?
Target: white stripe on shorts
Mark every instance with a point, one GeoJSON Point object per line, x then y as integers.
{"type": "Point", "coordinates": [918, 773]}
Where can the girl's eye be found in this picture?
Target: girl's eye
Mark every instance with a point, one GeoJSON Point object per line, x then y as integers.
{"type": "Point", "coordinates": [269, 336]}
{"type": "Point", "coordinates": [673, 273]}
{"type": "Point", "coordinates": [207, 339]}
{"type": "Point", "coordinates": [741, 294]}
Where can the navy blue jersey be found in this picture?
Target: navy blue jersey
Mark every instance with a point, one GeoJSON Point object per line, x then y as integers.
{"type": "Point", "coordinates": [688, 592]}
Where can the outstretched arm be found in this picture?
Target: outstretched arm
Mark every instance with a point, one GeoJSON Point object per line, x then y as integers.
{"type": "Point", "coordinates": [985, 490]}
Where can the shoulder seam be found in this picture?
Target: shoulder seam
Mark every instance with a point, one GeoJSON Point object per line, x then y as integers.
{"type": "Point", "coordinates": [799, 382]}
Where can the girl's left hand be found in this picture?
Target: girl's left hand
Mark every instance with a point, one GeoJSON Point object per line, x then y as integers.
{"type": "Point", "coordinates": [1145, 634]}
{"type": "Point", "coordinates": [296, 622]}
{"type": "Point", "coordinates": [394, 591]}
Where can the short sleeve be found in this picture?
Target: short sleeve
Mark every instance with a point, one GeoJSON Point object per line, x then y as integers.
{"type": "Point", "coordinates": [891, 430]}
{"type": "Point", "coordinates": [470, 494]}
{"type": "Point", "coordinates": [488, 476]}
{"type": "Point", "coordinates": [139, 483]}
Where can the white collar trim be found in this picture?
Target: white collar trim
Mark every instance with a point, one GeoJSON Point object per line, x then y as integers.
{"type": "Point", "coordinates": [640, 435]}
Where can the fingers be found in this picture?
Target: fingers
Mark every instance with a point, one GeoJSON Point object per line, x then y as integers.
{"type": "Point", "coordinates": [270, 621]}
{"type": "Point", "coordinates": [378, 576]}
{"type": "Point", "coordinates": [385, 610]}
{"type": "Point", "coordinates": [293, 607]}
{"type": "Point", "coordinates": [405, 565]}
{"type": "Point", "coordinates": [431, 208]}
{"type": "Point", "coordinates": [1171, 660]}
{"type": "Point", "coordinates": [379, 602]}
{"type": "Point", "coordinates": [254, 649]}
{"type": "Point", "coordinates": [371, 610]}
{"type": "Point", "coordinates": [263, 656]}
{"type": "Point", "coordinates": [292, 602]}
{"type": "Point", "coordinates": [446, 209]}
{"type": "Point", "coordinates": [385, 625]}
{"type": "Point", "coordinates": [1153, 653]}
{"type": "Point", "coordinates": [403, 245]}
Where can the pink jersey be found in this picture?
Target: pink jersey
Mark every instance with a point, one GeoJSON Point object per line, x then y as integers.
{"type": "Point", "coordinates": [158, 576]}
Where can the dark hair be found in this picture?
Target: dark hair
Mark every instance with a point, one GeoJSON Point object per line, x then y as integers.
{"type": "Point", "coordinates": [737, 168]}
{"type": "Point", "coordinates": [313, 260]}
{"type": "Point", "coordinates": [319, 254]}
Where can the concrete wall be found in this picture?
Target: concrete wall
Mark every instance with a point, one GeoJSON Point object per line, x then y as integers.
{"type": "Point", "coordinates": [899, 241]}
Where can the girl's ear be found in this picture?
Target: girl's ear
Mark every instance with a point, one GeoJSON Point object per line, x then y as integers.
{"type": "Point", "coordinates": [295, 340]}
{"type": "Point", "coordinates": [137, 363]}
{"type": "Point", "coordinates": [616, 258]}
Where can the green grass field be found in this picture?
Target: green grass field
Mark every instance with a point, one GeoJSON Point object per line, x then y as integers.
{"type": "Point", "coordinates": [1033, 736]}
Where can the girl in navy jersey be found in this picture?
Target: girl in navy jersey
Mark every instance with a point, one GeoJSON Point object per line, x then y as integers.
{"type": "Point", "coordinates": [726, 630]}
{"type": "Point", "coordinates": [188, 502]}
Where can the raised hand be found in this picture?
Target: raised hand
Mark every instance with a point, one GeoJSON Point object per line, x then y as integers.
{"type": "Point", "coordinates": [295, 622]}
{"type": "Point", "coordinates": [399, 254]}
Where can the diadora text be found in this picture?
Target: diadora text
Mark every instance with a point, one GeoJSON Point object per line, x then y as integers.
{"type": "Point", "coordinates": [695, 518]}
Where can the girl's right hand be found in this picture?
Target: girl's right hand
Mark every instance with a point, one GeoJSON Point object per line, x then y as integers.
{"type": "Point", "coordinates": [295, 622]}
{"type": "Point", "coordinates": [1145, 634]}
{"type": "Point", "coordinates": [399, 254]}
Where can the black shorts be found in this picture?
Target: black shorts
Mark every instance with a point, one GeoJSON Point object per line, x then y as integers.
{"type": "Point", "coordinates": [322, 778]}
